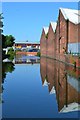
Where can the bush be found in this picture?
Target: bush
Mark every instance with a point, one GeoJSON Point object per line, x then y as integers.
{"type": "Point", "coordinates": [38, 54]}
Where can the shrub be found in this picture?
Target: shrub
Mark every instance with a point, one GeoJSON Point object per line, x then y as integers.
{"type": "Point", "coordinates": [38, 54]}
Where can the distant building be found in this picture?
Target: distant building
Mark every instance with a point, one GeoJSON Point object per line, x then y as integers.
{"type": "Point", "coordinates": [26, 45]}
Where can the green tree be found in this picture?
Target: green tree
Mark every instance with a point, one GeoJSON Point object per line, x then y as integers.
{"type": "Point", "coordinates": [38, 54]}
{"type": "Point", "coordinates": [1, 23]}
{"type": "Point", "coordinates": [9, 41]}
{"type": "Point", "coordinates": [3, 41]}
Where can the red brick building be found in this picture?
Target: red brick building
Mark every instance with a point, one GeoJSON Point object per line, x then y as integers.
{"type": "Point", "coordinates": [61, 43]}
{"type": "Point", "coordinates": [43, 40]}
{"type": "Point", "coordinates": [64, 39]}
{"type": "Point", "coordinates": [67, 32]}
{"type": "Point", "coordinates": [51, 39]}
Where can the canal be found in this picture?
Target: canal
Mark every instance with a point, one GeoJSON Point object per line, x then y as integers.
{"type": "Point", "coordinates": [40, 88]}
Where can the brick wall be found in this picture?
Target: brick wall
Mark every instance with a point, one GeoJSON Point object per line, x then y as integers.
{"type": "Point", "coordinates": [58, 44]}
{"type": "Point", "coordinates": [61, 34]}
{"type": "Point", "coordinates": [57, 38]}
{"type": "Point", "coordinates": [43, 43]}
{"type": "Point", "coordinates": [51, 42]}
{"type": "Point", "coordinates": [73, 33]}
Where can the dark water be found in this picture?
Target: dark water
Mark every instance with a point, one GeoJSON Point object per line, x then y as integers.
{"type": "Point", "coordinates": [40, 90]}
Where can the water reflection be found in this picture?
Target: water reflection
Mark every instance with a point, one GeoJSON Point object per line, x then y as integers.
{"type": "Point", "coordinates": [6, 67]}
{"type": "Point", "coordinates": [64, 81]}
{"type": "Point", "coordinates": [21, 59]}
{"type": "Point", "coordinates": [9, 66]}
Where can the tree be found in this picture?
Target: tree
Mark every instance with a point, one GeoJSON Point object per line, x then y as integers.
{"type": "Point", "coordinates": [1, 23]}
{"type": "Point", "coordinates": [3, 41]}
{"type": "Point", "coordinates": [9, 41]}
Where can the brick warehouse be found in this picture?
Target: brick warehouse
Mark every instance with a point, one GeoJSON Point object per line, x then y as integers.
{"type": "Point", "coordinates": [43, 40]}
{"type": "Point", "coordinates": [66, 36]}
{"type": "Point", "coordinates": [51, 39]}
{"type": "Point", "coordinates": [67, 31]}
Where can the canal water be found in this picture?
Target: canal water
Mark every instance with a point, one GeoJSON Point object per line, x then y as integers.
{"type": "Point", "coordinates": [41, 88]}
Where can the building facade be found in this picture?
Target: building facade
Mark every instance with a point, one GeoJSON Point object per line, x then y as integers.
{"type": "Point", "coordinates": [68, 28]}
{"type": "Point", "coordinates": [25, 45]}
{"type": "Point", "coordinates": [51, 39]}
{"type": "Point", "coordinates": [63, 38]}
{"type": "Point", "coordinates": [43, 41]}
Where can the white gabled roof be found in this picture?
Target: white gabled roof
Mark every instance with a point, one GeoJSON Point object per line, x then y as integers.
{"type": "Point", "coordinates": [71, 14]}
{"type": "Point", "coordinates": [53, 24]}
{"type": "Point", "coordinates": [46, 29]}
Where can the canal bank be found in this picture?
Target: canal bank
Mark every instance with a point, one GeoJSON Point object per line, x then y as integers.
{"type": "Point", "coordinates": [66, 59]}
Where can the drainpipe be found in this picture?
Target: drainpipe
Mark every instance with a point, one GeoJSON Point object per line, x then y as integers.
{"type": "Point", "coordinates": [67, 34]}
{"type": "Point", "coordinates": [46, 47]}
{"type": "Point", "coordinates": [59, 32]}
{"type": "Point", "coordinates": [59, 36]}
{"type": "Point", "coordinates": [66, 95]}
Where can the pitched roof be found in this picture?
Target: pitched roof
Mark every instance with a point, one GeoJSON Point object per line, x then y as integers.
{"type": "Point", "coordinates": [46, 29]}
{"type": "Point", "coordinates": [71, 14]}
{"type": "Point", "coordinates": [53, 24]}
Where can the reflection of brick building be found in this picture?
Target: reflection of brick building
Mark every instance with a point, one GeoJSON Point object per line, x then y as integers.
{"type": "Point", "coordinates": [64, 82]}
{"type": "Point", "coordinates": [43, 68]}
{"type": "Point", "coordinates": [66, 91]}
{"type": "Point", "coordinates": [43, 41]}
{"type": "Point", "coordinates": [50, 73]}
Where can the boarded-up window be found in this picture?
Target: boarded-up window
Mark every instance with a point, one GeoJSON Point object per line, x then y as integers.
{"type": "Point", "coordinates": [74, 47]}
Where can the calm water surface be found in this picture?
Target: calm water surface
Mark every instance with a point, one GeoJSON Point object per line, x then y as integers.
{"type": "Point", "coordinates": [39, 90]}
